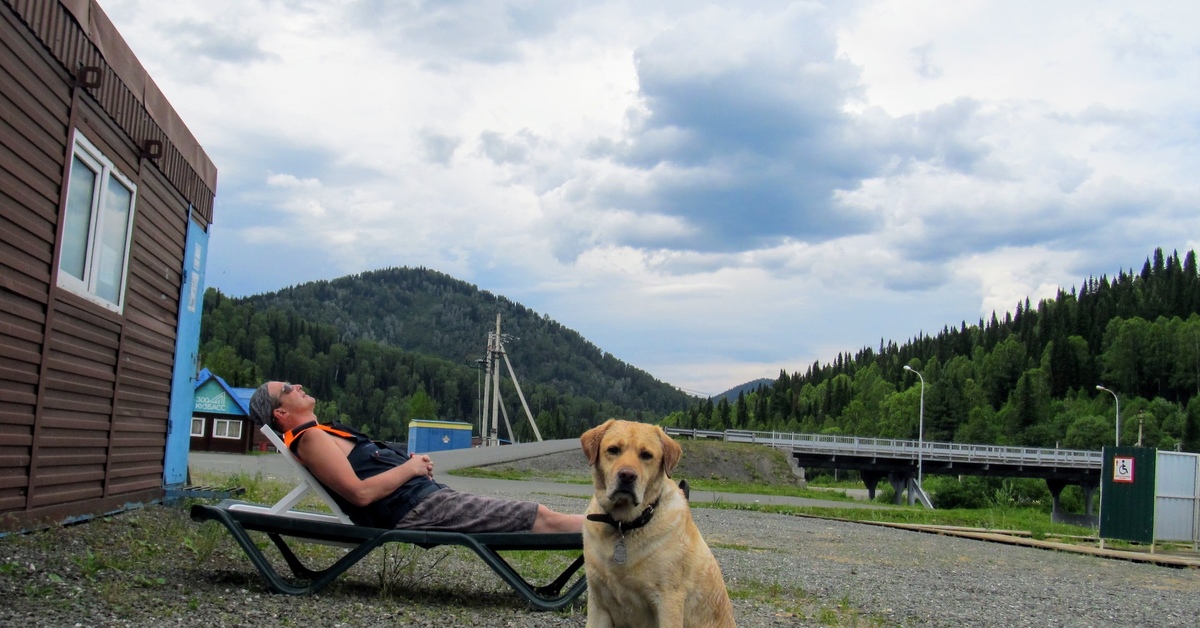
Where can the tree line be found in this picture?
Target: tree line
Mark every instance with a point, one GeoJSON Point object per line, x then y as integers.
{"type": "Point", "coordinates": [1029, 379]}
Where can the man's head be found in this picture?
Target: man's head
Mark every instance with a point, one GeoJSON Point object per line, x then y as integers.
{"type": "Point", "coordinates": [277, 396]}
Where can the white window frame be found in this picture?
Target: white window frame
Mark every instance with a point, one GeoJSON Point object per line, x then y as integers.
{"type": "Point", "coordinates": [199, 434]}
{"type": "Point", "coordinates": [227, 423]}
{"type": "Point", "coordinates": [94, 261]}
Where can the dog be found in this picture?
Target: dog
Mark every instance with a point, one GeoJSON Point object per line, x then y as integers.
{"type": "Point", "coordinates": [645, 561]}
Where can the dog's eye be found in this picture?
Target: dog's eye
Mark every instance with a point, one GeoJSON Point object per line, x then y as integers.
{"type": "Point", "coordinates": [614, 450]}
{"type": "Point", "coordinates": [645, 455]}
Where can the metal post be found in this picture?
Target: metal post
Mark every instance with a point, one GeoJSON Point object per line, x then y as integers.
{"type": "Point", "coordinates": [920, 425]}
{"type": "Point", "coordinates": [1118, 408]}
{"type": "Point", "coordinates": [493, 350]}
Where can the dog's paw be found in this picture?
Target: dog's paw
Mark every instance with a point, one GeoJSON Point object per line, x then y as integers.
{"type": "Point", "coordinates": [685, 489]}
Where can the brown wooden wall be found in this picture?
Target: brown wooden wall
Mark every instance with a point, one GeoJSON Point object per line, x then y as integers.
{"type": "Point", "coordinates": [84, 391]}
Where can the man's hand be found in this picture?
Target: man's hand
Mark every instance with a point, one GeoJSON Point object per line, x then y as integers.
{"type": "Point", "coordinates": [420, 464]}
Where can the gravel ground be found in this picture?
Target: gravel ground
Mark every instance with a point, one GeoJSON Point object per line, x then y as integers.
{"type": "Point", "coordinates": [154, 567]}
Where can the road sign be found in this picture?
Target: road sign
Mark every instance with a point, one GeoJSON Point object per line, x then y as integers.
{"type": "Point", "coordinates": [1123, 469]}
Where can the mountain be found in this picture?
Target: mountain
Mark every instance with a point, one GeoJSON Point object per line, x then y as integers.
{"type": "Point", "coordinates": [413, 316]}
{"type": "Point", "coordinates": [743, 389]}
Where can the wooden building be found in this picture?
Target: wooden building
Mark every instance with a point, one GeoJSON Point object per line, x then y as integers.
{"type": "Point", "coordinates": [221, 418]}
{"type": "Point", "coordinates": [106, 200]}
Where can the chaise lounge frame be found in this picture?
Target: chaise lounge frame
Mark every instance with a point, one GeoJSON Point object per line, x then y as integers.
{"type": "Point", "coordinates": [281, 522]}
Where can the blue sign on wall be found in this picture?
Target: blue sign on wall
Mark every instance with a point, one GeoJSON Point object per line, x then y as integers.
{"type": "Point", "coordinates": [213, 398]}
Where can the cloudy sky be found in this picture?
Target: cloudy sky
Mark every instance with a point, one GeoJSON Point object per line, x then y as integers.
{"type": "Point", "coordinates": [711, 192]}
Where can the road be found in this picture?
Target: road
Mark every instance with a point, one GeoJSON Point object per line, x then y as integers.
{"type": "Point", "coordinates": [275, 466]}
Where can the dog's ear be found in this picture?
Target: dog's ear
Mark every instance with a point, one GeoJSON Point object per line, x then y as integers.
{"type": "Point", "coordinates": [672, 452]}
{"type": "Point", "coordinates": [591, 440]}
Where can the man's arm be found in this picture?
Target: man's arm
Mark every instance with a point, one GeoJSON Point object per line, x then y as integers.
{"type": "Point", "coordinates": [319, 452]}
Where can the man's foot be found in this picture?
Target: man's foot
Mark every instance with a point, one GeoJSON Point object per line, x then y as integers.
{"type": "Point", "coordinates": [685, 489]}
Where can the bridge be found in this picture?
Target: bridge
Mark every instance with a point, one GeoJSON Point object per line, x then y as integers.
{"type": "Point", "coordinates": [897, 460]}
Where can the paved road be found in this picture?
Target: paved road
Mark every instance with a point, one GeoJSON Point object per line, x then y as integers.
{"type": "Point", "coordinates": [274, 466]}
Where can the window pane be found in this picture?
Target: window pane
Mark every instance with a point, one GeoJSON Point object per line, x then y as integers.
{"type": "Point", "coordinates": [219, 427]}
{"type": "Point", "coordinates": [79, 219]}
{"type": "Point", "coordinates": [235, 429]}
{"type": "Point", "coordinates": [112, 241]}
{"type": "Point", "coordinates": [197, 426]}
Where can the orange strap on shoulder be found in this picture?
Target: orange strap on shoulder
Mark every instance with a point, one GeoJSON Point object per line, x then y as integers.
{"type": "Point", "coordinates": [290, 436]}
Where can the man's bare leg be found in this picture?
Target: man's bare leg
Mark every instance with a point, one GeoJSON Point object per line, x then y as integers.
{"type": "Point", "coordinates": [550, 521]}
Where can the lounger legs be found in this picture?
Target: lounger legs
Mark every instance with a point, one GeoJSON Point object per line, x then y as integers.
{"type": "Point", "coordinates": [548, 597]}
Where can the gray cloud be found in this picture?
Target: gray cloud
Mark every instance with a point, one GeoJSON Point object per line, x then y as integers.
{"type": "Point", "coordinates": [217, 41]}
{"type": "Point", "coordinates": [757, 152]}
{"type": "Point", "coordinates": [925, 66]}
{"type": "Point", "coordinates": [948, 136]}
{"type": "Point", "coordinates": [438, 148]}
{"type": "Point", "coordinates": [458, 30]}
{"type": "Point", "coordinates": [514, 149]}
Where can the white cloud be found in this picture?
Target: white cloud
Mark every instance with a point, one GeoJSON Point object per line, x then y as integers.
{"type": "Point", "coordinates": [710, 192]}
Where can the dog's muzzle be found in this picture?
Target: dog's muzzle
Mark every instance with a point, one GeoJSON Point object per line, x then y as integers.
{"type": "Point", "coordinates": [626, 486]}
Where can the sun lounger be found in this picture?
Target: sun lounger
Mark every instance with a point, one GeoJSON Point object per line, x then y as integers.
{"type": "Point", "coordinates": [281, 522]}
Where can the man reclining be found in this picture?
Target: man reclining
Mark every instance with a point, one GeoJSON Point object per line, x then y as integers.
{"type": "Point", "coordinates": [384, 488]}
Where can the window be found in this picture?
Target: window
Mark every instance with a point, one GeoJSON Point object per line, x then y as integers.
{"type": "Point", "coordinates": [227, 428]}
{"type": "Point", "coordinates": [198, 426]}
{"type": "Point", "coordinates": [97, 228]}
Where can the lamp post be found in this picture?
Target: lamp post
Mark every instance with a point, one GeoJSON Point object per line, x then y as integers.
{"type": "Point", "coordinates": [1118, 405]}
{"type": "Point", "coordinates": [920, 423]}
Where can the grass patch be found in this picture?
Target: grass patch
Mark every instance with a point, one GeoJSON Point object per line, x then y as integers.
{"type": "Point", "coordinates": [796, 605]}
{"type": "Point", "coordinates": [827, 481]}
{"type": "Point", "coordinates": [751, 488]}
{"type": "Point", "coordinates": [259, 488]}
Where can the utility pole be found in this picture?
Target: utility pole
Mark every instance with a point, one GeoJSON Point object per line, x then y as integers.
{"type": "Point", "coordinates": [490, 429]}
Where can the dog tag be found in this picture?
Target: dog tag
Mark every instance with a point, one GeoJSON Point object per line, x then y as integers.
{"type": "Point", "coordinates": [619, 552]}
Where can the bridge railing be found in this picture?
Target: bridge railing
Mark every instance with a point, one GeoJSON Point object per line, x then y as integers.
{"type": "Point", "coordinates": [903, 448]}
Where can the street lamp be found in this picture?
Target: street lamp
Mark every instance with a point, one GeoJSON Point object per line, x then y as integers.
{"type": "Point", "coordinates": [920, 423]}
{"type": "Point", "coordinates": [1118, 400]}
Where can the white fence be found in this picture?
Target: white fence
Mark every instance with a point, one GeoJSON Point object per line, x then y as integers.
{"type": "Point", "coordinates": [899, 448]}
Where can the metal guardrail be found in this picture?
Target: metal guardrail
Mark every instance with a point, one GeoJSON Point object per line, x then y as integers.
{"type": "Point", "coordinates": [898, 448]}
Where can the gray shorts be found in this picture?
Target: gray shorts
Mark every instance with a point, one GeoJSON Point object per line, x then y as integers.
{"type": "Point", "coordinates": [451, 511]}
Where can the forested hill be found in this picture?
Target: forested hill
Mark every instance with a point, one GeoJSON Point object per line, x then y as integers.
{"type": "Point", "coordinates": [1028, 379]}
{"type": "Point", "coordinates": [371, 342]}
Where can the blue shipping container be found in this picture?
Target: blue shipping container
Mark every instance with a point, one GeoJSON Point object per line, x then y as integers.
{"type": "Point", "coordinates": [427, 436]}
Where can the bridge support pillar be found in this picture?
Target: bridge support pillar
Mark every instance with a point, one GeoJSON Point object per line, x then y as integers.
{"type": "Point", "coordinates": [1057, 514]}
{"type": "Point", "coordinates": [871, 479]}
{"type": "Point", "coordinates": [902, 483]}
{"type": "Point", "coordinates": [1089, 493]}
{"type": "Point", "coordinates": [1056, 487]}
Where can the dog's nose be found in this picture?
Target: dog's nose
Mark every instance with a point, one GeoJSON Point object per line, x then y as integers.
{"type": "Point", "coordinates": [627, 476]}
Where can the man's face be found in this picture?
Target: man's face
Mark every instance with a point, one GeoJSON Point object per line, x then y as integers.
{"type": "Point", "coordinates": [291, 397]}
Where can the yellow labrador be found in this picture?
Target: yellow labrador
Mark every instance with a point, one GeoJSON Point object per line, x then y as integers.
{"type": "Point", "coordinates": [646, 563]}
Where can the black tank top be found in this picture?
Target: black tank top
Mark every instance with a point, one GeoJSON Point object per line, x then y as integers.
{"type": "Point", "coordinates": [368, 459]}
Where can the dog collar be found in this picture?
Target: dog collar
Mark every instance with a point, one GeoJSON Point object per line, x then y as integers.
{"type": "Point", "coordinates": [623, 526]}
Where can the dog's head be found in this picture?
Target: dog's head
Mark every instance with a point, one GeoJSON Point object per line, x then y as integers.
{"type": "Point", "coordinates": [629, 461]}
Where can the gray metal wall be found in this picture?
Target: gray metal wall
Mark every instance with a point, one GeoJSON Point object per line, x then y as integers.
{"type": "Point", "coordinates": [1177, 497]}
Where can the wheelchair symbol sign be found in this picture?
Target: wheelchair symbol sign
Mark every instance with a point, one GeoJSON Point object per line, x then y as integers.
{"type": "Point", "coordinates": [1123, 470]}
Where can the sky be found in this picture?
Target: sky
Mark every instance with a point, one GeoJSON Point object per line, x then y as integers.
{"type": "Point", "coordinates": [711, 192]}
